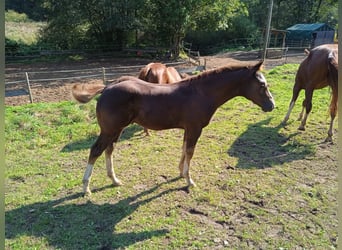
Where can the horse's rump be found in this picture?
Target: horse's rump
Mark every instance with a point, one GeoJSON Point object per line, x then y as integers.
{"type": "Point", "coordinates": [153, 72]}
{"type": "Point", "coordinates": [173, 75]}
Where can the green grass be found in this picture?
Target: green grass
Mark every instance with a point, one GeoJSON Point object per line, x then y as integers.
{"type": "Point", "coordinates": [260, 185]}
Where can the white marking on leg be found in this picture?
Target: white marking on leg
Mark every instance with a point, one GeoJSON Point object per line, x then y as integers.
{"type": "Point", "coordinates": [303, 123]}
{"type": "Point", "coordinates": [186, 174]}
{"type": "Point", "coordinates": [185, 169]}
{"type": "Point", "coordinates": [110, 171]}
{"type": "Point", "coordinates": [86, 178]}
{"type": "Point", "coordinates": [289, 112]}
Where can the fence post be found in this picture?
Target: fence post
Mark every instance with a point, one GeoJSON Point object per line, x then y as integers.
{"type": "Point", "coordinates": [29, 87]}
{"type": "Point", "coordinates": [104, 75]}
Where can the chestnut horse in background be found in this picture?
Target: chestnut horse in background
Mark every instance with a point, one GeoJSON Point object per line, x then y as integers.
{"type": "Point", "coordinates": [158, 73]}
{"type": "Point", "coordinates": [188, 105]}
{"type": "Point", "coordinates": [318, 70]}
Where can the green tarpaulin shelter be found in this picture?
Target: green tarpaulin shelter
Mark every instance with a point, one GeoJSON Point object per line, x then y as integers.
{"type": "Point", "coordinates": [309, 35]}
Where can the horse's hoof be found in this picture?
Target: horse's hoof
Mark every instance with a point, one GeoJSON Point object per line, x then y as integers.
{"type": "Point", "coordinates": [117, 183]}
{"type": "Point", "coordinates": [87, 193]}
{"type": "Point", "coordinates": [301, 128]}
{"type": "Point", "coordinates": [191, 184]}
{"type": "Point", "coordinates": [328, 139]}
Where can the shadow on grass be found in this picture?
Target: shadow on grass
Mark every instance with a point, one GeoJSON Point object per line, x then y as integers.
{"type": "Point", "coordinates": [68, 225]}
{"type": "Point", "coordinates": [261, 146]}
{"type": "Point", "coordinates": [128, 133]}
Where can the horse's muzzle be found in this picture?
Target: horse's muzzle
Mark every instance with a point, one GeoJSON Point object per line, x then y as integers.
{"type": "Point", "coordinates": [268, 106]}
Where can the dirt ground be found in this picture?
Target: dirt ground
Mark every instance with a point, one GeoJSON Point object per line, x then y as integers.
{"type": "Point", "coordinates": [59, 90]}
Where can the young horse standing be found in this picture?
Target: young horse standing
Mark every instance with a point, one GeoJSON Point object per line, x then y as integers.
{"type": "Point", "coordinates": [188, 105]}
{"type": "Point", "coordinates": [318, 70]}
{"type": "Point", "coordinates": [158, 73]}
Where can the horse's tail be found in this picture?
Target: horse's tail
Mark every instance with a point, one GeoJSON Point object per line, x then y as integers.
{"type": "Point", "coordinates": [83, 93]}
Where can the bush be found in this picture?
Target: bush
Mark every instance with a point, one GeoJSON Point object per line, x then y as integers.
{"type": "Point", "coordinates": [12, 16]}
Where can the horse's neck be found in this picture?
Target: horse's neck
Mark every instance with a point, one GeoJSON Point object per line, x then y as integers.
{"type": "Point", "coordinates": [222, 86]}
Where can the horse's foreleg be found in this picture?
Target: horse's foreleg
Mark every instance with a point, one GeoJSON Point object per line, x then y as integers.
{"type": "Point", "coordinates": [190, 144]}
{"type": "Point", "coordinates": [109, 166]}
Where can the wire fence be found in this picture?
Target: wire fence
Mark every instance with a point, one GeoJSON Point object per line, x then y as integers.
{"type": "Point", "coordinates": [22, 83]}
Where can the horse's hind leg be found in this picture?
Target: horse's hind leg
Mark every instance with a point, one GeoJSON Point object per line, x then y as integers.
{"type": "Point", "coordinates": [109, 162]}
{"type": "Point", "coordinates": [295, 94]}
{"type": "Point", "coordinates": [102, 142]}
{"type": "Point", "coordinates": [308, 107]}
{"type": "Point", "coordinates": [188, 151]}
{"type": "Point", "coordinates": [333, 112]}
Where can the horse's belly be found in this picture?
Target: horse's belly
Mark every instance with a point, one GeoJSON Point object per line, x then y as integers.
{"type": "Point", "coordinates": [159, 120]}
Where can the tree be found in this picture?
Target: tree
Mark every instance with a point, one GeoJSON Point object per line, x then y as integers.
{"type": "Point", "coordinates": [170, 20]}
{"type": "Point", "coordinates": [289, 12]}
{"type": "Point", "coordinates": [76, 22]}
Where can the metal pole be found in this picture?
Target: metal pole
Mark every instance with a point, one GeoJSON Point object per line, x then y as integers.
{"type": "Point", "coordinates": [104, 75]}
{"type": "Point", "coordinates": [29, 87]}
{"type": "Point", "coordinates": [268, 28]}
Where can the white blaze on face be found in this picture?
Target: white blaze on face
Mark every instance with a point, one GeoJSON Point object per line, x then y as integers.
{"type": "Point", "coordinates": [262, 79]}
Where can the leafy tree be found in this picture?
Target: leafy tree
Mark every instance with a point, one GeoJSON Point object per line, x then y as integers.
{"type": "Point", "coordinates": [289, 12]}
{"type": "Point", "coordinates": [84, 23]}
{"type": "Point", "coordinates": [77, 22]}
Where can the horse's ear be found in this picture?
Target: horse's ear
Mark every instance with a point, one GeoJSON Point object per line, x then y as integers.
{"type": "Point", "coordinates": [259, 66]}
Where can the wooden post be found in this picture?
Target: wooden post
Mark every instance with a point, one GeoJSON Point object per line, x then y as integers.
{"type": "Point", "coordinates": [104, 75]}
{"type": "Point", "coordinates": [29, 87]}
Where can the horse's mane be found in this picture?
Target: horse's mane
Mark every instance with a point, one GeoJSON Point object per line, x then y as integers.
{"type": "Point", "coordinates": [233, 66]}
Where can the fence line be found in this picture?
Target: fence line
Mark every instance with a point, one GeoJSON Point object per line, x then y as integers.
{"type": "Point", "coordinates": [102, 69]}
{"type": "Point", "coordinates": [103, 74]}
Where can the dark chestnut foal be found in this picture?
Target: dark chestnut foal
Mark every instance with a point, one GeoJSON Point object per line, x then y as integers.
{"type": "Point", "coordinates": [188, 105]}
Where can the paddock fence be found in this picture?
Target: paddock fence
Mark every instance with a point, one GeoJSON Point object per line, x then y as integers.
{"type": "Point", "coordinates": [21, 83]}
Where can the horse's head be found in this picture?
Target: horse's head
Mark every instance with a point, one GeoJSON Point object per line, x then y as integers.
{"type": "Point", "coordinates": [257, 90]}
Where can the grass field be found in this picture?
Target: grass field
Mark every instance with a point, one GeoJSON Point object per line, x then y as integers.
{"type": "Point", "coordinates": [259, 185]}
